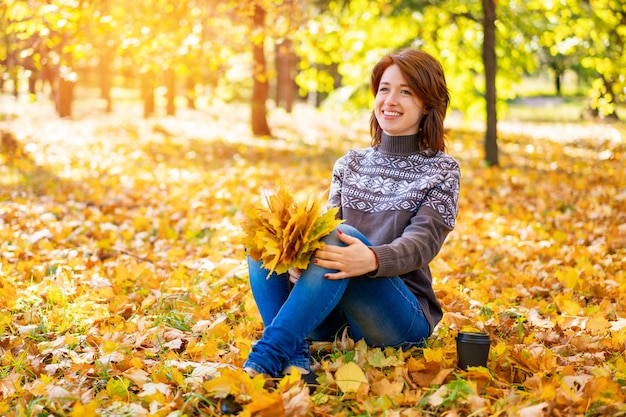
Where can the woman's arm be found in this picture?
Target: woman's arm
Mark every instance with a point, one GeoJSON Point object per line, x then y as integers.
{"type": "Point", "coordinates": [334, 194]}
{"type": "Point", "coordinates": [418, 245]}
{"type": "Point", "coordinates": [353, 260]}
{"type": "Point", "coordinates": [415, 247]}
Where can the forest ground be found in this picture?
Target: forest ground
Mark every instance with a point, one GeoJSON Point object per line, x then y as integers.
{"type": "Point", "coordinates": [123, 286]}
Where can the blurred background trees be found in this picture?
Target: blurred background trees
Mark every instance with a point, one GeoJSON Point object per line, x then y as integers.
{"type": "Point", "coordinates": [318, 51]}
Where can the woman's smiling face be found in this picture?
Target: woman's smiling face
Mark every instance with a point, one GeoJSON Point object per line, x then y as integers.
{"type": "Point", "coordinates": [397, 108]}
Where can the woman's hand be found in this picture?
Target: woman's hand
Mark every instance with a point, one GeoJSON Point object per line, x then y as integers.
{"type": "Point", "coordinates": [353, 260]}
{"type": "Point", "coordinates": [294, 274]}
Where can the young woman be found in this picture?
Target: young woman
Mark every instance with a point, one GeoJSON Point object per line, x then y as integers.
{"type": "Point", "coordinates": [399, 201]}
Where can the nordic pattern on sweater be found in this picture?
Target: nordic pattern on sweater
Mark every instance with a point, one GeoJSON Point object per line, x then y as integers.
{"type": "Point", "coordinates": [374, 182]}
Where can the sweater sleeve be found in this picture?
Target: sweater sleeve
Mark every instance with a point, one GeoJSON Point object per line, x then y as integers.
{"type": "Point", "coordinates": [417, 247]}
{"type": "Point", "coordinates": [334, 195]}
{"type": "Point", "coordinates": [423, 237]}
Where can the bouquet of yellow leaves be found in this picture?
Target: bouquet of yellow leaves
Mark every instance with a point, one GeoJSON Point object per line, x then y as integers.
{"type": "Point", "coordinates": [288, 232]}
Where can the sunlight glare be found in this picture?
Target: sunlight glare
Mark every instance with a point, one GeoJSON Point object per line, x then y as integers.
{"type": "Point", "coordinates": [31, 148]}
{"type": "Point", "coordinates": [605, 155]}
{"type": "Point", "coordinates": [314, 27]}
{"type": "Point", "coordinates": [25, 53]}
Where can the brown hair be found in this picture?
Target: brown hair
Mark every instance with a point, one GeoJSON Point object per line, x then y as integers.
{"type": "Point", "coordinates": [425, 76]}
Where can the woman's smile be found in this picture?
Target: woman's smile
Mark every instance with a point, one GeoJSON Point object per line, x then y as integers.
{"type": "Point", "coordinates": [397, 108]}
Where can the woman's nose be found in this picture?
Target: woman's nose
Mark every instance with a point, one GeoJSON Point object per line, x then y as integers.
{"type": "Point", "coordinates": [392, 98]}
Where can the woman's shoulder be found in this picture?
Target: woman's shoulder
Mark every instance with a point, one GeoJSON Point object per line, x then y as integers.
{"type": "Point", "coordinates": [443, 160]}
{"type": "Point", "coordinates": [361, 151]}
{"type": "Point", "coordinates": [356, 153]}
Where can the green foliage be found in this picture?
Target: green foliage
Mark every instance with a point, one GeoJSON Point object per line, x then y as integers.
{"type": "Point", "coordinates": [344, 41]}
{"type": "Point", "coordinates": [337, 42]}
{"type": "Point", "coordinates": [609, 19]}
{"type": "Point", "coordinates": [587, 37]}
{"type": "Point", "coordinates": [451, 31]}
{"type": "Point", "coordinates": [530, 35]}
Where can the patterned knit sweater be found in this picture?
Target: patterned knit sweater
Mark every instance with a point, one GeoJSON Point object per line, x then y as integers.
{"type": "Point", "coordinates": [405, 202]}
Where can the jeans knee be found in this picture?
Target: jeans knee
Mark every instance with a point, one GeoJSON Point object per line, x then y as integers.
{"type": "Point", "coordinates": [256, 272]}
{"type": "Point", "coordinates": [352, 231]}
{"type": "Point", "coordinates": [347, 229]}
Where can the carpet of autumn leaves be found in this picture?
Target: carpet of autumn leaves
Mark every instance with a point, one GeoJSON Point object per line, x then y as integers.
{"type": "Point", "coordinates": [123, 286]}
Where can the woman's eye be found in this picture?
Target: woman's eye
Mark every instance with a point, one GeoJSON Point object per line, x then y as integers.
{"type": "Point", "coordinates": [381, 89]}
{"type": "Point", "coordinates": [406, 92]}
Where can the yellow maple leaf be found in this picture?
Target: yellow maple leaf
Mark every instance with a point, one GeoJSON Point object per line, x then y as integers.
{"type": "Point", "coordinates": [566, 304]}
{"type": "Point", "coordinates": [433, 355]}
{"type": "Point", "coordinates": [86, 410]}
{"type": "Point", "coordinates": [569, 276]}
{"type": "Point", "coordinates": [349, 377]}
{"type": "Point", "coordinates": [385, 387]}
{"type": "Point", "coordinates": [287, 233]}
{"type": "Point", "coordinates": [598, 322]}
{"type": "Point", "coordinates": [602, 388]}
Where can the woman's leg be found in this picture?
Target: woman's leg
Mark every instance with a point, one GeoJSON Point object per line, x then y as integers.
{"type": "Point", "coordinates": [270, 293]}
{"type": "Point", "coordinates": [311, 300]}
{"type": "Point", "coordinates": [331, 328]}
{"type": "Point", "coordinates": [383, 311]}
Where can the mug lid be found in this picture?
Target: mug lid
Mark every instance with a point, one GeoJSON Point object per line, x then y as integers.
{"type": "Point", "coordinates": [473, 337]}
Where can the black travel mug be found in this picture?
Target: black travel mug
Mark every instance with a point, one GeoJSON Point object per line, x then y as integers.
{"type": "Point", "coordinates": [472, 349]}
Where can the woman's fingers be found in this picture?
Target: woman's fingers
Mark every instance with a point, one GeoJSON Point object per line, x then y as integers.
{"type": "Point", "coordinates": [350, 261]}
{"type": "Point", "coordinates": [294, 274]}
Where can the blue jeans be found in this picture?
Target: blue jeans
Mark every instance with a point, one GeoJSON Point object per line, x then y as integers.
{"type": "Point", "coordinates": [380, 310]}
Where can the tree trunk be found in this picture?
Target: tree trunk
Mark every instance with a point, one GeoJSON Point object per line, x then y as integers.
{"type": "Point", "coordinates": [106, 77]}
{"type": "Point", "coordinates": [106, 80]}
{"type": "Point", "coordinates": [67, 78]}
{"type": "Point", "coordinates": [285, 85]}
{"type": "Point", "coordinates": [107, 56]}
{"type": "Point", "coordinates": [32, 85]}
{"type": "Point", "coordinates": [16, 81]}
{"type": "Point", "coordinates": [260, 88]}
{"type": "Point", "coordinates": [557, 82]}
{"type": "Point", "coordinates": [489, 61]}
{"type": "Point", "coordinates": [147, 93]}
{"type": "Point", "coordinates": [65, 97]}
{"type": "Point", "coordinates": [48, 72]}
{"type": "Point", "coordinates": [170, 83]}
{"type": "Point", "coordinates": [190, 90]}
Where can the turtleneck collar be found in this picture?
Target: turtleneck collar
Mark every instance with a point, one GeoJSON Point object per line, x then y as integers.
{"type": "Point", "coordinates": [399, 145]}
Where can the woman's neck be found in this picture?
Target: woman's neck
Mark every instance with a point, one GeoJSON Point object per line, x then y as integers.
{"type": "Point", "coordinates": [399, 145]}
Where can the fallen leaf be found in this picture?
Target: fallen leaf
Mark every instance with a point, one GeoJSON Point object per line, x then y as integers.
{"type": "Point", "coordinates": [437, 398]}
{"type": "Point", "coordinates": [137, 376]}
{"type": "Point", "coordinates": [349, 377]}
{"type": "Point", "coordinates": [537, 410]}
{"type": "Point", "coordinates": [296, 401]}
{"type": "Point", "coordinates": [385, 387]}
{"type": "Point", "coordinates": [112, 357]}
{"type": "Point", "coordinates": [151, 388]}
